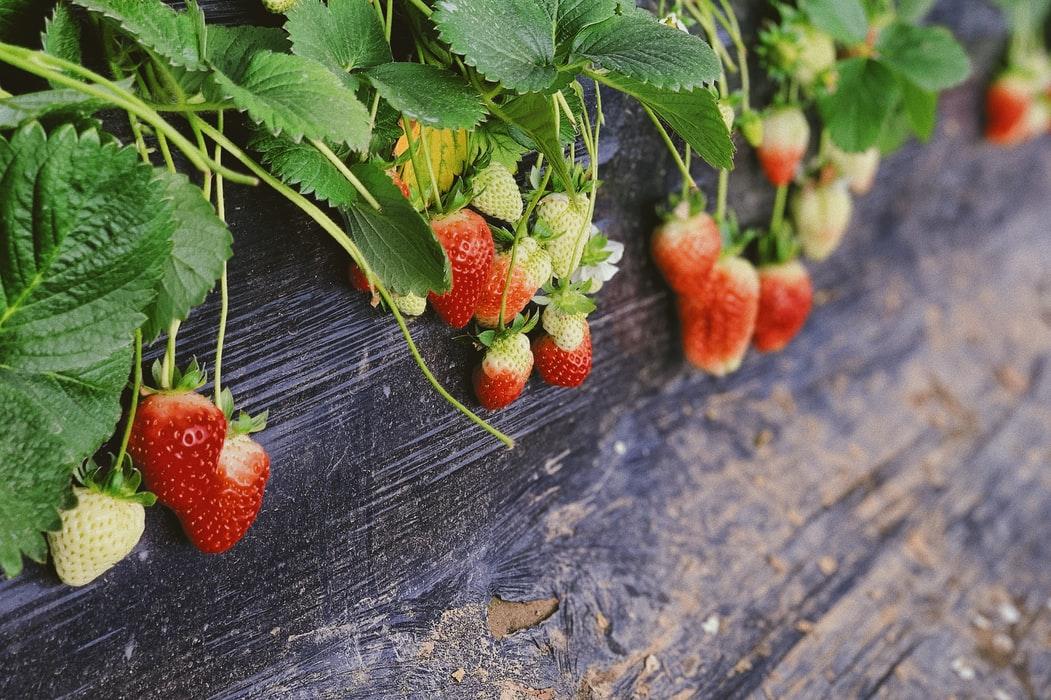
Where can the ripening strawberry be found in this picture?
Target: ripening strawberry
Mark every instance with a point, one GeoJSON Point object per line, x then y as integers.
{"type": "Point", "coordinates": [786, 296]}
{"type": "Point", "coordinates": [396, 178]}
{"type": "Point", "coordinates": [497, 194]}
{"type": "Point", "coordinates": [685, 247]}
{"type": "Point", "coordinates": [563, 351]}
{"type": "Point", "coordinates": [786, 136]}
{"type": "Point", "coordinates": [1008, 104]}
{"type": "Point", "coordinates": [532, 269]}
{"type": "Point", "coordinates": [468, 243]}
{"type": "Point", "coordinates": [102, 528]}
{"type": "Point", "coordinates": [816, 55]}
{"type": "Point", "coordinates": [567, 217]}
{"type": "Point", "coordinates": [218, 517]}
{"type": "Point", "coordinates": [504, 371]}
{"type": "Point", "coordinates": [858, 169]}
{"type": "Point", "coordinates": [821, 212]}
{"type": "Point", "coordinates": [176, 440]}
{"type": "Point", "coordinates": [718, 325]}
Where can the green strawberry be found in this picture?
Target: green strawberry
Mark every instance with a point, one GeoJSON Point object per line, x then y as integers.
{"type": "Point", "coordinates": [568, 220]}
{"type": "Point", "coordinates": [567, 329]}
{"type": "Point", "coordinates": [410, 304]}
{"type": "Point", "coordinates": [280, 7]}
{"type": "Point", "coordinates": [497, 193]}
{"type": "Point", "coordinates": [102, 528]}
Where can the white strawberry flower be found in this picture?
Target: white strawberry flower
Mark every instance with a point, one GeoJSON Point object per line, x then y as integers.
{"type": "Point", "coordinates": [604, 268]}
{"type": "Point", "coordinates": [672, 20]}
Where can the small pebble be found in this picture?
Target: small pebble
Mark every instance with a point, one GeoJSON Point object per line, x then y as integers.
{"type": "Point", "coordinates": [828, 565]}
{"type": "Point", "coordinates": [1009, 613]}
{"type": "Point", "coordinates": [711, 625]}
{"type": "Point", "coordinates": [963, 669]}
{"type": "Point", "coordinates": [458, 675]}
{"type": "Point", "coordinates": [620, 448]}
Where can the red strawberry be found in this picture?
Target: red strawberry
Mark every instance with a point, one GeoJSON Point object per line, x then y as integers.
{"type": "Point", "coordinates": [176, 440]}
{"type": "Point", "coordinates": [786, 136]}
{"type": "Point", "coordinates": [219, 519]}
{"type": "Point", "coordinates": [401, 184]}
{"type": "Point", "coordinates": [563, 353]}
{"type": "Point", "coordinates": [785, 299]}
{"type": "Point", "coordinates": [358, 280]}
{"type": "Point", "coordinates": [499, 380]}
{"type": "Point", "coordinates": [532, 269]}
{"type": "Point", "coordinates": [685, 248]}
{"type": "Point", "coordinates": [1007, 105]}
{"type": "Point", "coordinates": [469, 245]}
{"type": "Point", "coordinates": [717, 325]}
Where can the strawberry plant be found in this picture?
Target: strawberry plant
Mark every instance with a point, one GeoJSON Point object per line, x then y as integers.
{"type": "Point", "coordinates": [412, 161]}
{"type": "Point", "coordinates": [1018, 102]}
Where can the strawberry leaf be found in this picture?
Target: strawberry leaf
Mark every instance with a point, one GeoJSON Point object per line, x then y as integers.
{"type": "Point", "coordinates": [304, 166]}
{"type": "Point", "coordinates": [74, 284]}
{"type": "Point", "coordinates": [635, 44]}
{"type": "Point", "coordinates": [298, 97]}
{"type": "Point", "coordinates": [534, 115]}
{"type": "Point", "coordinates": [865, 98]}
{"type": "Point", "coordinates": [843, 20]}
{"type": "Point", "coordinates": [169, 34]}
{"type": "Point", "coordinates": [446, 103]}
{"type": "Point", "coordinates": [928, 56]}
{"type": "Point", "coordinates": [61, 37]}
{"type": "Point", "coordinates": [693, 114]}
{"type": "Point", "coordinates": [344, 36]}
{"type": "Point", "coordinates": [201, 244]}
{"type": "Point", "coordinates": [921, 108]}
{"type": "Point", "coordinates": [397, 243]}
{"type": "Point", "coordinates": [59, 104]}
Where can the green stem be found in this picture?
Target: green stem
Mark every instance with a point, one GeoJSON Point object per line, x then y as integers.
{"type": "Point", "coordinates": [191, 107]}
{"type": "Point", "coordinates": [168, 365]}
{"type": "Point", "coordinates": [224, 296]}
{"type": "Point", "coordinates": [337, 233]}
{"type": "Point", "coordinates": [417, 173]}
{"type": "Point", "coordinates": [345, 171]}
{"type": "Point", "coordinates": [671, 148]}
{"type": "Point", "coordinates": [136, 385]}
{"type": "Point", "coordinates": [422, 7]}
{"type": "Point", "coordinates": [720, 204]}
{"type": "Point", "coordinates": [426, 148]}
{"type": "Point", "coordinates": [54, 69]}
{"type": "Point", "coordinates": [778, 218]}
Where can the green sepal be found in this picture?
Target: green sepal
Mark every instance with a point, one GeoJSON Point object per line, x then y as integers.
{"type": "Point", "coordinates": [120, 481]}
{"type": "Point", "coordinates": [190, 379]}
{"type": "Point", "coordinates": [244, 424]}
{"type": "Point", "coordinates": [595, 251]}
{"type": "Point", "coordinates": [695, 200]}
{"type": "Point", "coordinates": [735, 239]}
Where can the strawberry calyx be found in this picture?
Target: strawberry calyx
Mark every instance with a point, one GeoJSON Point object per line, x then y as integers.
{"type": "Point", "coordinates": [190, 379]}
{"type": "Point", "coordinates": [682, 206]}
{"type": "Point", "coordinates": [243, 424]}
{"type": "Point", "coordinates": [568, 297]}
{"type": "Point", "coordinates": [777, 247]}
{"type": "Point", "coordinates": [735, 239]}
{"type": "Point", "coordinates": [523, 323]}
{"type": "Point", "coordinates": [121, 481]}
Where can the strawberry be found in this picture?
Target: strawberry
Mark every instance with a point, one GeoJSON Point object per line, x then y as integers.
{"type": "Point", "coordinates": [504, 371]}
{"type": "Point", "coordinates": [280, 7]}
{"type": "Point", "coordinates": [718, 324]}
{"type": "Point", "coordinates": [358, 280]}
{"type": "Point", "coordinates": [532, 269]}
{"type": "Point", "coordinates": [176, 440]}
{"type": "Point", "coordinates": [685, 247]}
{"type": "Point", "coordinates": [822, 214]}
{"type": "Point", "coordinates": [785, 299]}
{"type": "Point", "coordinates": [815, 57]}
{"type": "Point", "coordinates": [567, 218]}
{"type": "Point", "coordinates": [468, 244]}
{"type": "Point", "coordinates": [563, 352]}
{"type": "Point", "coordinates": [1008, 104]}
{"type": "Point", "coordinates": [858, 169]}
{"type": "Point", "coordinates": [786, 136]}
{"type": "Point", "coordinates": [410, 304]}
{"type": "Point", "coordinates": [496, 193]}
{"type": "Point", "coordinates": [395, 177]}
{"type": "Point", "coordinates": [102, 528]}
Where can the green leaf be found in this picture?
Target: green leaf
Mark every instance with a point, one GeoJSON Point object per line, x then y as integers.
{"type": "Point", "coordinates": [534, 115]}
{"type": "Point", "coordinates": [344, 36]}
{"type": "Point", "coordinates": [855, 113]}
{"type": "Point", "coordinates": [229, 49]}
{"type": "Point", "coordinates": [84, 231]}
{"type": "Point", "coordinates": [1025, 16]}
{"type": "Point", "coordinates": [428, 94]}
{"type": "Point", "coordinates": [298, 97]}
{"type": "Point", "coordinates": [21, 109]}
{"type": "Point", "coordinates": [167, 33]}
{"type": "Point", "coordinates": [693, 114]}
{"type": "Point", "coordinates": [201, 243]}
{"type": "Point", "coordinates": [928, 56]}
{"type": "Point", "coordinates": [518, 44]}
{"type": "Point", "coordinates": [843, 20]}
{"type": "Point", "coordinates": [913, 10]}
{"type": "Point", "coordinates": [302, 165]}
{"type": "Point", "coordinates": [397, 243]}
{"type": "Point", "coordinates": [921, 108]}
{"type": "Point", "coordinates": [636, 45]}
{"type": "Point", "coordinates": [61, 37]}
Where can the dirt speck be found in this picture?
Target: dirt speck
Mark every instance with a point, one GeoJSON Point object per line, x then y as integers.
{"type": "Point", "coordinates": [828, 565]}
{"type": "Point", "coordinates": [508, 616]}
{"type": "Point", "coordinates": [458, 675]}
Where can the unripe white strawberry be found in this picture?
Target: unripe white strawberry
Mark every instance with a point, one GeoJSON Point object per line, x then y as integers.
{"type": "Point", "coordinates": [537, 262]}
{"type": "Point", "coordinates": [567, 330]}
{"type": "Point", "coordinates": [410, 304]}
{"type": "Point", "coordinates": [568, 219]}
{"type": "Point", "coordinates": [816, 55]}
{"type": "Point", "coordinates": [279, 7]}
{"type": "Point", "coordinates": [96, 534]}
{"type": "Point", "coordinates": [497, 194]}
{"type": "Point", "coordinates": [822, 214]}
{"type": "Point", "coordinates": [858, 169]}
{"type": "Point", "coordinates": [786, 136]}
{"type": "Point", "coordinates": [726, 110]}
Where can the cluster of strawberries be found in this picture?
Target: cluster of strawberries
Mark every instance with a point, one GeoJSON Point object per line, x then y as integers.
{"type": "Point", "coordinates": [495, 274]}
{"type": "Point", "coordinates": [194, 457]}
{"type": "Point", "coordinates": [1018, 103]}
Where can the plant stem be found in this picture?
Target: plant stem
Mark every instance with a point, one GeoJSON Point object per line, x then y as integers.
{"type": "Point", "coordinates": [425, 147]}
{"type": "Point", "coordinates": [337, 233]}
{"type": "Point", "coordinates": [671, 148]}
{"type": "Point", "coordinates": [224, 296]}
{"type": "Point", "coordinates": [136, 385]}
{"type": "Point", "coordinates": [345, 171]}
{"type": "Point", "coordinates": [720, 202]}
{"type": "Point", "coordinates": [422, 7]}
{"type": "Point", "coordinates": [778, 218]}
{"type": "Point", "coordinates": [52, 68]}
{"type": "Point", "coordinates": [168, 366]}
